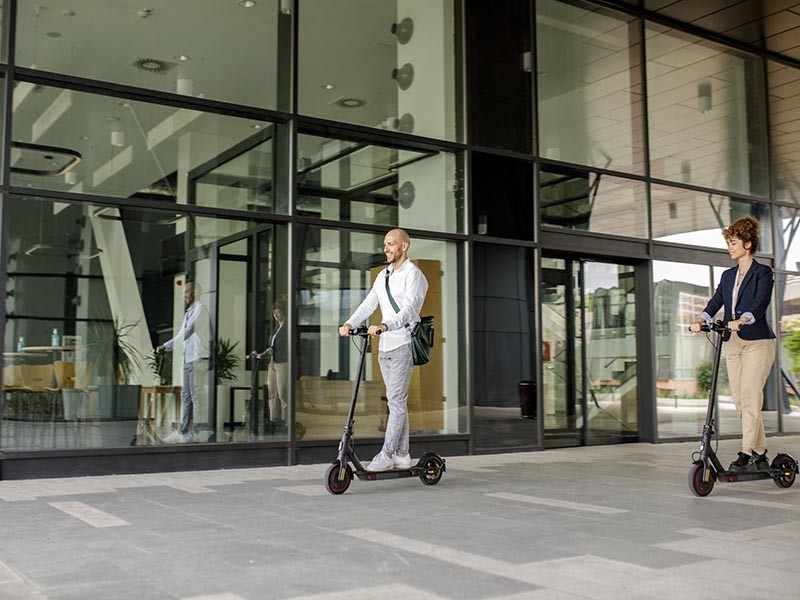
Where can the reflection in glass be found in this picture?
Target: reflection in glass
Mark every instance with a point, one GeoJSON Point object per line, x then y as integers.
{"type": "Point", "coordinates": [336, 270]}
{"type": "Point", "coordinates": [609, 301]}
{"type": "Point", "coordinates": [787, 251]}
{"type": "Point", "coordinates": [706, 113]}
{"type": "Point", "coordinates": [589, 85]}
{"type": "Point", "coordinates": [360, 182]}
{"type": "Point", "coordinates": [389, 64]}
{"type": "Point", "coordinates": [788, 292]}
{"type": "Point", "coordinates": [504, 360]}
{"type": "Point", "coordinates": [92, 289]}
{"type": "Point", "coordinates": [593, 202]}
{"type": "Point", "coordinates": [64, 140]}
{"type": "Point", "coordinates": [500, 89]}
{"type": "Point", "coordinates": [224, 51]}
{"type": "Point", "coordinates": [698, 218]}
{"type": "Point", "coordinates": [590, 389]}
{"type": "Point", "coordinates": [683, 359]}
{"type": "Point", "coordinates": [784, 99]}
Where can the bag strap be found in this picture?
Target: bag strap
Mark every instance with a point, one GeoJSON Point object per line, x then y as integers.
{"type": "Point", "coordinates": [391, 298]}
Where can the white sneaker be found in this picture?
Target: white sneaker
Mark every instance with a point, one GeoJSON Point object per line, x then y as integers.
{"type": "Point", "coordinates": [173, 438]}
{"type": "Point", "coordinates": [187, 437]}
{"type": "Point", "coordinates": [401, 462]}
{"type": "Point", "coordinates": [381, 462]}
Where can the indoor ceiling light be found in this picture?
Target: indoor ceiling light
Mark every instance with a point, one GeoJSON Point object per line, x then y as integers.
{"type": "Point", "coordinates": [328, 86]}
{"type": "Point", "coordinates": [181, 57]}
{"type": "Point", "coordinates": [704, 97]}
{"type": "Point", "coordinates": [247, 3]}
{"type": "Point", "coordinates": [256, 125]}
{"type": "Point", "coordinates": [351, 102]}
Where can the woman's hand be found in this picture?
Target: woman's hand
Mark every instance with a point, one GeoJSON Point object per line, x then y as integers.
{"type": "Point", "coordinates": [735, 325]}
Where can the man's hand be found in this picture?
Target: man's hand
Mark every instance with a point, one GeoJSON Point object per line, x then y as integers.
{"type": "Point", "coordinates": [345, 330]}
{"type": "Point", "coordinates": [694, 327]}
{"type": "Point", "coordinates": [159, 348]}
{"type": "Point", "coordinates": [376, 330]}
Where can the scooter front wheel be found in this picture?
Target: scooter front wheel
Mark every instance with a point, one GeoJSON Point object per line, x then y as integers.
{"type": "Point", "coordinates": [787, 470]}
{"type": "Point", "coordinates": [696, 484]}
{"type": "Point", "coordinates": [433, 468]}
{"type": "Point", "coordinates": [333, 483]}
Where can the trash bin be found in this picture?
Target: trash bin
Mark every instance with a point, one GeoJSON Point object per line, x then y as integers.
{"type": "Point", "coordinates": [527, 399]}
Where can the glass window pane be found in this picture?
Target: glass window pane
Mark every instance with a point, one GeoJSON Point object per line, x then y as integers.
{"type": "Point", "coordinates": [502, 196]}
{"type": "Point", "coordinates": [71, 141]}
{"type": "Point", "coordinates": [784, 99]}
{"type": "Point", "coordinates": [706, 112]}
{"type": "Point", "coordinates": [225, 51]}
{"type": "Point", "coordinates": [788, 294]}
{"type": "Point", "coordinates": [504, 354]}
{"type": "Point", "coordinates": [390, 64]}
{"type": "Point", "coordinates": [359, 182]}
{"type": "Point", "coordinates": [500, 87]}
{"type": "Point", "coordinates": [787, 251]}
{"type": "Point", "coordinates": [336, 271]}
{"type": "Point", "coordinates": [589, 86]}
{"type": "Point", "coordinates": [683, 360]}
{"type": "Point", "coordinates": [698, 218]}
{"type": "Point", "coordinates": [94, 288]}
{"type": "Point", "coordinates": [593, 202]}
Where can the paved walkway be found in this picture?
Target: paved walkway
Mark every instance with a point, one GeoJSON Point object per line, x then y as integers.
{"type": "Point", "coordinates": [606, 522]}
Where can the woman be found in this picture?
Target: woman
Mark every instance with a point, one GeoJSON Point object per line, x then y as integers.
{"type": "Point", "coordinates": [745, 292]}
{"type": "Point", "coordinates": [278, 370]}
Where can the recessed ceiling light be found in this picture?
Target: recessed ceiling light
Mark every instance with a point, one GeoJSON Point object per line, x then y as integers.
{"type": "Point", "coordinates": [68, 13]}
{"type": "Point", "coordinates": [351, 102]}
{"type": "Point", "coordinates": [247, 3]}
{"type": "Point", "coordinates": [256, 125]}
{"type": "Point", "coordinates": [53, 34]}
{"type": "Point", "coordinates": [85, 138]}
{"type": "Point", "coordinates": [181, 57]}
{"type": "Point", "coordinates": [328, 86]}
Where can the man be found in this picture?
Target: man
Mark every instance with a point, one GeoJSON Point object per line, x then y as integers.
{"type": "Point", "coordinates": [408, 287]}
{"type": "Point", "coordinates": [194, 333]}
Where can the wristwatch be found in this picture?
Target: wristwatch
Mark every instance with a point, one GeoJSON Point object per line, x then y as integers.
{"type": "Point", "coordinates": [385, 327]}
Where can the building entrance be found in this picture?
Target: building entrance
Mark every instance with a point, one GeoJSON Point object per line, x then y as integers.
{"type": "Point", "coordinates": [589, 385]}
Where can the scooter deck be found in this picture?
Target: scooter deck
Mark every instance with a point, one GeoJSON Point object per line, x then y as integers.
{"type": "Point", "coordinates": [390, 474]}
{"type": "Point", "coordinates": [732, 476]}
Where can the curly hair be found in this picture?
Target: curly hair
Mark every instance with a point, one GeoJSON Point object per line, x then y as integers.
{"type": "Point", "coordinates": [747, 229]}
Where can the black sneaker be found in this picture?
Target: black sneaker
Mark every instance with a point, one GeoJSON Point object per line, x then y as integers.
{"type": "Point", "coordinates": [743, 463]}
{"type": "Point", "coordinates": [761, 461]}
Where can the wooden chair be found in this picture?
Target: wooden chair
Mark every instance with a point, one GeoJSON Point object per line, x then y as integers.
{"type": "Point", "coordinates": [12, 387]}
{"type": "Point", "coordinates": [38, 388]}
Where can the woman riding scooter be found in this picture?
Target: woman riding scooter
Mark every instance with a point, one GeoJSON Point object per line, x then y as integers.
{"type": "Point", "coordinates": [745, 292]}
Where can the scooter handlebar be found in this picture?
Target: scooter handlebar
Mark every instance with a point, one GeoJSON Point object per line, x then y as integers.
{"type": "Point", "coordinates": [715, 326]}
{"type": "Point", "coordinates": [360, 331]}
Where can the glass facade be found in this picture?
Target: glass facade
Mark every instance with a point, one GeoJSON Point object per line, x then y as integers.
{"type": "Point", "coordinates": [563, 168]}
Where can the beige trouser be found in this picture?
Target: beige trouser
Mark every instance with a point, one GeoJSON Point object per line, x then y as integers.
{"type": "Point", "coordinates": [277, 378]}
{"type": "Point", "coordinates": [749, 363]}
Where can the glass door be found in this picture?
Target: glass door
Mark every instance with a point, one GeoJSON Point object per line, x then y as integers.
{"type": "Point", "coordinates": [590, 392]}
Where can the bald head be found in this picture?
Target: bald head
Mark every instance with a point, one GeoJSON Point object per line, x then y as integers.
{"type": "Point", "coordinates": [395, 246]}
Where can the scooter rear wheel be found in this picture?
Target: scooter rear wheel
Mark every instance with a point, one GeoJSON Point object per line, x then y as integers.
{"type": "Point", "coordinates": [333, 484]}
{"type": "Point", "coordinates": [787, 468]}
{"type": "Point", "coordinates": [696, 484]}
{"type": "Point", "coordinates": [433, 468]}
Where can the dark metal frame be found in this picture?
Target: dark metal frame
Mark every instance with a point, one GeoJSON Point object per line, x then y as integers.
{"type": "Point", "coordinates": [288, 121]}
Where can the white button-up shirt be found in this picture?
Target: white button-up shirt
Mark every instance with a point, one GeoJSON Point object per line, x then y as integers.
{"type": "Point", "coordinates": [408, 286]}
{"type": "Point", "coordinates": [193, 332]}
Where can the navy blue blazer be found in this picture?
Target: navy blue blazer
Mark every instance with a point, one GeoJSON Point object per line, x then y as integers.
{"type": "Point", "coordinates": [755, 294]}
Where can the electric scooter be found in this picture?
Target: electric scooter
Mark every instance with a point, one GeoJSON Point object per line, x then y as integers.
{"type": "Point", "coordinates": [706, 467]}
{"type": "Point", "coordinates": [339, 474]}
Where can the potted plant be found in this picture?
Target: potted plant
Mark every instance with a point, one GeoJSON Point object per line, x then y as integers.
{"type": "Point", "coordinates": [114, 358]}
